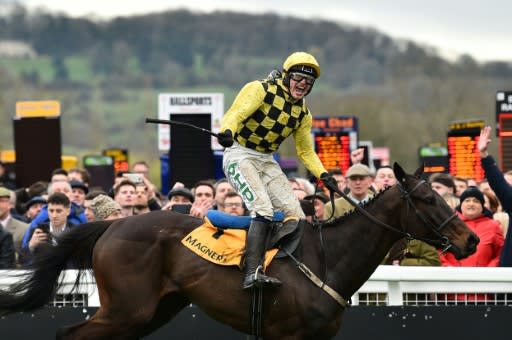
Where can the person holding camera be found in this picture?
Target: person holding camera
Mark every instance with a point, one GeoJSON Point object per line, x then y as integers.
{"type": "Point", "coordinates": [58, 207]}
{"type": "Point", "coordinates": [262, 116]}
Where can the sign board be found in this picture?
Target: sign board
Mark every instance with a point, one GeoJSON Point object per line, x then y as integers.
{"type": "Point", "coordinates": [463, 154]}
{"type": "Point", "coordinates": [334, 138]}
{"type": "Point", "coordinates": [505, 141]}
{"type": "Point", "coordinates": [433, 158]}
{"type": "Point", "coordinates": [189, 103]}
{"type": "Point", "coordinates": [41, 108]}
{"type": "Point", "coordinates": [503, 104]}
{"type": "Point", "coordinates": [120, 157]}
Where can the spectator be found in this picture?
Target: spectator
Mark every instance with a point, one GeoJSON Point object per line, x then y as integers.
{"type": "Point", "coordinates": [452, 200]}
{"type": "Point", "coordinates": [81, 175]}
{"type": "Point", "coordinates": [442, 184]}
{"type": "Point", "coordinates": [508, 177]}
{"type": "Point", "coordinates": [23, 195]}
{"type": "Point", "coordinates": [179, 196]}
{"type": "Point", "coordinates": [16, 228]}
{"type": "Point", "coordinates": [105, 208]}
{"type": "Point", "coordinates": [479, 220]}
{"type": "Point", "coordinates": [308, 209]}
{"type": "Point", "coordinates": [298, 189]}
{"type": "Point", "coordinates": [222, 187]}
{"type": "Point", "coordinates": [89, 213]}
{"type": "Point", "coordinates": [58, 207]}
{"type": "Point", "coordinates": [78, 192]}
{"type": "Point", "coordinates": [59, 175]}
{"type": "Point", "coordinates": [337, 174]}
{"type": "Point", "coordinates": [501, 187]}
{"type": "Point", "coordinates": [359, 183]}
{"type": "Point", "coordinates": [141, 167]}
{"type": "Point", "coordinates": [319, 200]}
{"type": "Point", "coordinates": [7, 252]}
{"type": "Point", "coordinates": [306, 185]}
{"type": "Point", "coordinates": [384, 178]}
{"type": "Point", "coordinates": [412, 253]}
{"type": "Point", "coordinates": [76, 214]}
{"type": "Point", "coordinates": [141, 205]}
{"type": "Point", "coordinates": [204, 198]}
{"type": "Point", "coordinates": [33, 208]}
{"type": "Point", "coordinates": [5, 179]}
{"type": "Point", "coordinates": [461, 184]}
{"type": "Point", "coordinates": [233, 204]}
{"type": "Point", "coordinates": [124, 194]}
{"type": "Point", "coordinates": [493, 204]}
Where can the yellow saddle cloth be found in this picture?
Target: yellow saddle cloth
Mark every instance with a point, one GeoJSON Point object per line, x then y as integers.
{"type": "Point", "coordinates": [220, 246]}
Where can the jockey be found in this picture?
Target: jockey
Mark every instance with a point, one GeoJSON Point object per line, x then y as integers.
{"type": "Point", "coordinates": [262, 116]}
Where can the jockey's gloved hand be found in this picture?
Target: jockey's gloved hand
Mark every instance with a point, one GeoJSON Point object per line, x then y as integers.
{"type": "Point", "coordinates": [225, 138]}
{"type": "Point", "coordinates": [329, 182]}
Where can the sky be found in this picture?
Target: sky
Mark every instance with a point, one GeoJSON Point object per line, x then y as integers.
{"type": "Point", "coordinates": [480, 28]}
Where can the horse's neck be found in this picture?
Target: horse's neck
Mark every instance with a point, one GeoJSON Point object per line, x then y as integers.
{"type": "Point", "coordinates": [355, 248]}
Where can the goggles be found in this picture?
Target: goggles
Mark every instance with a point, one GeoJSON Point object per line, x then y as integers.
{"type": "Point", "coordinates": [298, 77]}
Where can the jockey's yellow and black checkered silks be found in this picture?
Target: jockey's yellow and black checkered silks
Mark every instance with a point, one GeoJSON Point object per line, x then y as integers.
{"type": "Point", "coordinates": [264, 114]}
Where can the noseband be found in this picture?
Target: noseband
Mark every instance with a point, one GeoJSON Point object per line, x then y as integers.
{"type": "Point", "coordinates": [443, 241]}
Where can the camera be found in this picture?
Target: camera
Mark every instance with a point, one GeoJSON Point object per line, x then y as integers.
{"type": "Point", "coordinates": [134, 177]}
{"type": "Point", "coordinates": [182, 208]}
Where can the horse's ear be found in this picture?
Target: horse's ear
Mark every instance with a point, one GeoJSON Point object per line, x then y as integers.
{"type": "Point", "coordinates": [399, 172]}
{"type": "Point", "coordinates": [419, 172]}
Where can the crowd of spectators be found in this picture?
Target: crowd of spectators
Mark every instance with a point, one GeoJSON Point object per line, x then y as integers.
{"type": "Point", "coordinates": [38, 213]}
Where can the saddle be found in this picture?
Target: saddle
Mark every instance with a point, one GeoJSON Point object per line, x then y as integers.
{"type": "Point", "coordinates": [221, 238]}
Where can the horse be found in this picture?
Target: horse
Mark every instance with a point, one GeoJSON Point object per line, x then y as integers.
{"type": "Point", "coordinates": [145, 276]}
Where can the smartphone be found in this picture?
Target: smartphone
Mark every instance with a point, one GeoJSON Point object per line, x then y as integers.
{"type": "Point", "coordinates": [134, 177]}
{"type": "Point", "coordinates": [182, 208]}
{"type": "Point", "coordinates": [45, 227]}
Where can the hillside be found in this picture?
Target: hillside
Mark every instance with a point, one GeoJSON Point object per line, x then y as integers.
{"type": "Point", "coordinates": [108, 74]}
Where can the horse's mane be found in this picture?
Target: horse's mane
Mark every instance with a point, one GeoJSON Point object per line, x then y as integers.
{"type": "Point", "coordinates": [337, 220]}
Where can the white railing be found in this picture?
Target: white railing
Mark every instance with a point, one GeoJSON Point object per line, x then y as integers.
{"type": "Point", "coordinates": [389, 285]}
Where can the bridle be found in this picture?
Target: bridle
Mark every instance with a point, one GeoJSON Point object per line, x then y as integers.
{"type": "Point", "coordinates": [443, 241]}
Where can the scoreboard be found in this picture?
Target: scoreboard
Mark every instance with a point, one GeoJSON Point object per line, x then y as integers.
{"type": "Point", "coordinates": [504, 128]}
{"type": "Point", "coordinates": [463, 154]}
{"type": "Point", "coordinates": [334, 138]}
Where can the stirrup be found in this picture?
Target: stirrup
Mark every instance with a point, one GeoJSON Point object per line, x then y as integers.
{"type": "Point", "coordinates": [259, 280]}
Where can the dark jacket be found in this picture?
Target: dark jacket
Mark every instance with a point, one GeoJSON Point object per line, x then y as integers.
{"type": "Point", "coordinates": [7, 258]}
{"type": "Point", "coordinates": [504, 193]}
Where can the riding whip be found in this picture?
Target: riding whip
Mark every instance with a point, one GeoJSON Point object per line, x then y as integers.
{"type": "Point", "coordinates": [174, 122]}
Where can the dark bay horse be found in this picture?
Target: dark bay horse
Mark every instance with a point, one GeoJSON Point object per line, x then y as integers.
{"type": "Point", "coordinates": [145, 276]}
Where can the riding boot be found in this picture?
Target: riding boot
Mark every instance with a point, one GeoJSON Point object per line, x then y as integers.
{"type": "Point", "coordinates": [254, 251]}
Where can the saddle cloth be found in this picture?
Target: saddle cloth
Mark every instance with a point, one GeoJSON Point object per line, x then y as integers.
{"type": "Point", "coordinates": [220, 246]}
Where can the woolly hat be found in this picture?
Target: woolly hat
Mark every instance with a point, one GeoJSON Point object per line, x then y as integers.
{"type": "Point", "coordinates": [181, 192]}
{"type": "Point", "coordinates": [472, 192]}
{"type": "Point", "coordinates": [103, 206]}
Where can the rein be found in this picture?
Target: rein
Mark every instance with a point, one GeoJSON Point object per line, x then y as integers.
{"type": "Point", "coordinates": [443, 241]}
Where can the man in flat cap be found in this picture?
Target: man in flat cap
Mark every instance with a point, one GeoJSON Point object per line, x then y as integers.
{"type": "Point", "coordinates": [359, 181]}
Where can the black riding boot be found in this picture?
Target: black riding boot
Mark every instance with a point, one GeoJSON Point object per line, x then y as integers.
{"type": "Point", "coordinates": [254, 251]}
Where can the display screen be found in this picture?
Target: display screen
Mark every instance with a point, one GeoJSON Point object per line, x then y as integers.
{"type": "Point", "coordinates": [120, 157]}
{"type": "Point", "coordinates": [434, 159]}
{"type": "Point", "coordinates": [334, 138]}
{"type": "Point", "coordinates": [463, 154]}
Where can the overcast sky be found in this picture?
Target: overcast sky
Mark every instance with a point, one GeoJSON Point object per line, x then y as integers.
{"type": "Point", "coordinates": [480, 28]}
